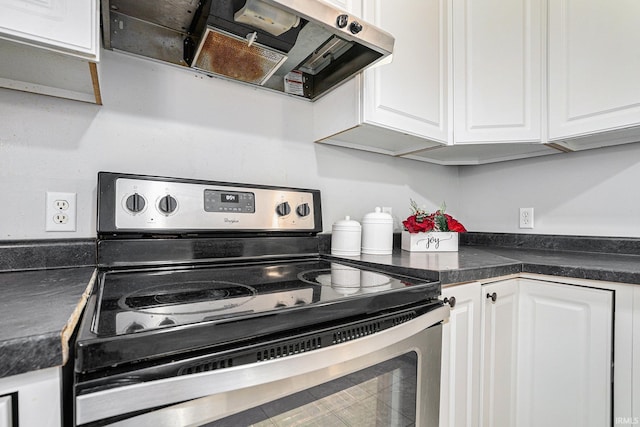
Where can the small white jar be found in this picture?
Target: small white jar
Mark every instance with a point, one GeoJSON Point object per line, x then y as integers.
{"type": "Point", "coordinates": [346, 237]}
{"type": "Point", "coordinates": [377, 233]}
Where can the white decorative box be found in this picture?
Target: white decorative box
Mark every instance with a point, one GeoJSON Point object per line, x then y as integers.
{"type": "Point", "coordinates": [434, 241]}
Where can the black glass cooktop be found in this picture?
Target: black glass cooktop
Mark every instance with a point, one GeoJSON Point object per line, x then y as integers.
{"type": "Point", "coordinates": [140, 314]}
{"type": "Point", "coordinates": [135, 301]}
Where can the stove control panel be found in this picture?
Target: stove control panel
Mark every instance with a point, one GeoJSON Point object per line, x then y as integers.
{"type": "Point", "coordinates": [150, 203]}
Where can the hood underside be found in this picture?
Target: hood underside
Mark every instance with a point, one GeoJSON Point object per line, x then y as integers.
{"type": "Point", "coordinates": [301, 48]}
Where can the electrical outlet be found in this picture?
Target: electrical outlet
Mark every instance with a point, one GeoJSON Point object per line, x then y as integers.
{"type": "Point", "coordinates": [60, 211]}
{"type": "Point", "coordinates": [526, 217]}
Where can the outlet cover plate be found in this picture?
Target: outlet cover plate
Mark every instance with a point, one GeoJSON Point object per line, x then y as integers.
{"type": "Point", "coordinates": [60, 211]}
{"type": "Point", "coordinates": [526, 217]}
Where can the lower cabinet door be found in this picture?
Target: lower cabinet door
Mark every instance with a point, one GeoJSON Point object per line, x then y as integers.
{"type": "Point", "coordinates": [460, 377]}
{"type": "Point", "coordinates": [565, 355]}
{"type": "Point", "coordinates": [499, 353]}
{"type": "Point", "coordinates": [636, 358]}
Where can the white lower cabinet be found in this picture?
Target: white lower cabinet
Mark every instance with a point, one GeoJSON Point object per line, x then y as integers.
{"type": "Point", "coordinates": [565, 355]}
{"type": "Point", "coordinates": [530, 351]}
{"type": "Point", "coordinates": [460, 401]}
{"type": "Point", "coordinates": [635, 411]}
{"type": "Point", "coordinates": [499, 354]}
{"type": "Point", "coordinates": [32, 399]}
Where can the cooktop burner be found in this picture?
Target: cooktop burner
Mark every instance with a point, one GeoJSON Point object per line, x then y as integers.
{"type": "Point", "coordinates": [183, 293]}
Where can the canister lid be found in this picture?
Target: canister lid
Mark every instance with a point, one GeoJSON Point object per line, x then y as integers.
{"type": "Point", "coordinates": [377, 217]}
{"type": "Point", "coordinates": [347, 224]}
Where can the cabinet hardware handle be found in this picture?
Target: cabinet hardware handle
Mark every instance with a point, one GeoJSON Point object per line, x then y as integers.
{"type": "Point", "coordinates": [493, 297]}
{"type": "Point", "coordinates": [451, 301]}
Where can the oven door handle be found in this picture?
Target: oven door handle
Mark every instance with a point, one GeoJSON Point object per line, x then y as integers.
{"type": "Point", "coordinates": [147, 396]}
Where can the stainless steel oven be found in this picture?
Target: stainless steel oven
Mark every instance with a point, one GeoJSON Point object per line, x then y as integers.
{"type": "Point", "coordinates": [214, 307]}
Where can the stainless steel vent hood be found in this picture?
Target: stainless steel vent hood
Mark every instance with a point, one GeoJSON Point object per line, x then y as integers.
{"type": "Point", "coordinates": [300, 47]}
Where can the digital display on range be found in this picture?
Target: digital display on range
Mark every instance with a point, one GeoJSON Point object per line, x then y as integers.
{"type": "Point", "coordinates": [225, 201]}
{"type": "Point", "coordinates": [229, 198]}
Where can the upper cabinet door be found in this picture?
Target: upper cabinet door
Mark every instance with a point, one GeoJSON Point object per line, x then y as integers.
{"type": "Point", "coordinates": [594, 66]}
{"type": "Point", "coordinates": [498, 70]}
{"type": "Point", "coordinates": [70, 26]}
{"type": "Point", "coordinates": [410, 94]}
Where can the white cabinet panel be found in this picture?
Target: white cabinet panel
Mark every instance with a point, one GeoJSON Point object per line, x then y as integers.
{"type": "Point", "coordinates": [411, 93]}
{"type": "Point", "coordinates": [50, 47]}
{"type": "Point", "coordinates": [636, 356]}
{"type": "Point", "coordinates": [39, 397]}
{"type": "Point", "coordinates": [460, 389]}
{"type": "Point", "coordinates": [594, 64]}
{"type": "Point", "coordinates": [68, 25]}
{"type": "Point", "coordinates": [6, 411]}
{"type": "Point", "coordinates": [32, 69]}
{"type": "Point", "coordinates": [564, 364]}
{"type": "Point", "coordinates": [498, 63]}
{"type": "Point", "coordinates": [499, 353]}
{"type": "Point", "coordinates": [400, 107]}
{"type": "Point", "coordinates": [477, 154]}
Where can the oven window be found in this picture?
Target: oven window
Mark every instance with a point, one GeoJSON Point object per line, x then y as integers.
{"type": "Point", "coordinates": [382, 395]}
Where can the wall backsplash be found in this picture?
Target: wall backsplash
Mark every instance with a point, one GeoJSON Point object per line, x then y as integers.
{"type": "Point", "coordinates": [159, 120]}
{"type": "Point", "coordinates": [589, 193]}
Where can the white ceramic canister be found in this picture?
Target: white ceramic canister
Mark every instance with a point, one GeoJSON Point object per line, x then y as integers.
{"type": "Point", "coordinates": [377, 233]}
{"type": "Point", "coordinates": [345, 237]}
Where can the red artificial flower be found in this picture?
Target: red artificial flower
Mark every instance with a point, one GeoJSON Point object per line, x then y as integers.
{"type": "Point", "coordinates": [412, 225]}
{"type": "Point", "coordinates": [422, 222]}
{"type": "Point", "coordinates": [454, 225]}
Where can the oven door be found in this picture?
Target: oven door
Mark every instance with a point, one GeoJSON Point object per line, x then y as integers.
{"type": "Point", "coordinates": [390, 378]}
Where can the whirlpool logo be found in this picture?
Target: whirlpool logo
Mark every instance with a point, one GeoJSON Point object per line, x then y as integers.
{"type": "Point", "coordinates": [231, 220]}
{"type": "Point", "coordinates": [631, 421]}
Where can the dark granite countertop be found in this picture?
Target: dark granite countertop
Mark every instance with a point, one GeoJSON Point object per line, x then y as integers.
{"type": "Point", "coordinates": [485, 255]}
{"type": "Point", "coordinates": [44, 285]}
{"type": "Point", "coordinates": [43, 289]}
{"type": "Point", "coordinates": [38, 313]}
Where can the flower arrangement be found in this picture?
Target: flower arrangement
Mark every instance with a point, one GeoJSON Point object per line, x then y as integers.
{"type": "Point", "coordinates": [421, 221]}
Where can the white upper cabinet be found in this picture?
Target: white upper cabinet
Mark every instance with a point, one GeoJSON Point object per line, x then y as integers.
{"type": "Point", "coordinates": [411, 93]}
{"type": "Point", "coordinates": [594, 69]}
{"type": "Point", "coordinates": [498, 68]}
{"type": "Point", "coordinates": [401, 107]}
{"type": "Point", "coordinates": [50, 47]}
{"type": "Point", "coordinates": [70, 26]}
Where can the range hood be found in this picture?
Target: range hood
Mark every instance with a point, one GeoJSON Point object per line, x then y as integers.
{"type": "Point", "coordinates": [302, 48]}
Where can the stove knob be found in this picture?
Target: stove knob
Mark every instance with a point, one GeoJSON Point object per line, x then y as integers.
{"type": "Point", "coordinates": [342, 20]}
{"type": "Point", "coordinates": [135, 203]}
{"type": "Point", "coordinates": [303, 209]}
{"type": "Point", "coordinates": [167, 204]}
{"type": "Point", "coordinates": [355, 27]}
{"type": "Point", "coordinates": [283, 209]}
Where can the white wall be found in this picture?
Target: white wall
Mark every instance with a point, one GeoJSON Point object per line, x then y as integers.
{"type": "Point", "coordinates": [591, 193]}
{"type": "Point", "coordinates": [160, 120]}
